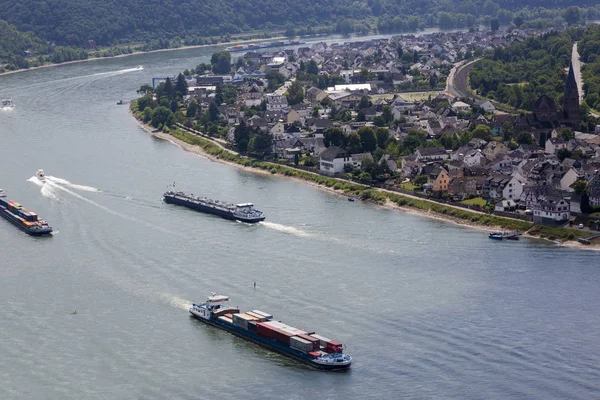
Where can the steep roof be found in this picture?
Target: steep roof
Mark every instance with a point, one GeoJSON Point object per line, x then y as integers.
{"type": "Point", "coordinates": [332, 153]}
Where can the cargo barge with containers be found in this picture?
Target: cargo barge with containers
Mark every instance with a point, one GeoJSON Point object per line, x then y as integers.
{"type": "Point", "coordinates": [244, 212]}
{"type": "Point", "coordinates": [260, 328]}
{"type": "Point", "coordinates": [23, 219]}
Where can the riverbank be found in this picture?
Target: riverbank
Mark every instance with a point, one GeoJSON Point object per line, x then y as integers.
{"type": "Point", "coordinates": [135, 53]}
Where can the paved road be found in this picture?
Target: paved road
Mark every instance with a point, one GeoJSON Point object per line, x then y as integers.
{"type": "Point", "coordinates": [577, 71]}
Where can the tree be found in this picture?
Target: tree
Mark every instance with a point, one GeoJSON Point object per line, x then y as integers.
{"type": "Point", "coordinates": [261, 143]}
{"type": "Point", "coordinates": [241, 136]}
{"type": "Point", "coordinates": [169, 89]}
{"type": "Point", "coordinates": [192, 109]}
{"type": "Point", "coordinates": [563, 153]}
{"type": "Point", "coordinates": [312, 68]}
{"type": "Point", "coordinates": [383, 134]}
{"type": "Point", "coordinates": [379, 121]}
{"type": "Point", "coordinates": [494, 24]}
{"type": "Point", "coordinates": [490, 8]}
{"type": "Point", "coordinates": [572, 15]}
{"type": "Point", "coordinates": [566, 134]}
{"type": "Point", "coordinates": [400, 51]}
{"type": "Point", "coordinates": [147, 115]}
{"type": "Point", "coordinates": [354, 144]}
{"type": "Point", "coordinates": [181, 86]}
{"type": "Point", "coordinates": [387, 114]}
{"type": "Point", "coordinates": [213, 112]}
{"type": "Point", "coordinates": [482, 132]}
{"type": "Point", "coordinates": [365, 178]}
{"type": "Point", "coordinates": [145, 102]}
{"type": "Point", "coordinates": [420, 180]}
{"type": "Point", "coordinates": [162, 116]}
{"type": "Point", "coordinates": [296, 158]}
{"type": "Point", "coordinates": [145, 89]}
{"type": "Point", "coordinates": [414, 140]}
{"type": "Point", "coordinates": [364, 102]}
{"type": "Point", "coordinates": [221, 62]}
{"type": "Point", "coordinates": [524, 138]}
{"type": "Point", "coordinates": [580, 186]}
{"type": "Point", "coordinates": [518, 21]}
{"type": "Point", "coordinates": [368, 139]}
{"type": "Point", "coordinates": [295, 93]}
{"type": "Point", "coordinates": [334, 137]}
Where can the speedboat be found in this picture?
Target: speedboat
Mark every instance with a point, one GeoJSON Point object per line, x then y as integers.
{"type": "Point", "coordinates": [41, 175]}
{"type": "Point", "coordinates": [7, 104]}
{"type": "Point", "coordinates": [139, 67]}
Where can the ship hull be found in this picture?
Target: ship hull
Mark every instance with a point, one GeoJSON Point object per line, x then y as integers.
{"type": "Point", "coordinates": [18, 224]}
{"type": "Point", "coordinates": [209, 210]}
{"type": "Point", "coordinates": [271, 345]}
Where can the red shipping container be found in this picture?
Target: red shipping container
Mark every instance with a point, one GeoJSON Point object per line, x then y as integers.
{"type": "Point", "coordinates": [334, 347]}
{"type": "Point", "coordinates": [264, 330]}
{"type": "Point", "coordinates": [313, 340]}
{"type": "Point", "coordinates": [314, 354]}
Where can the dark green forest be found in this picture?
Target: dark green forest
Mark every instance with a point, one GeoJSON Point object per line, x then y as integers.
{"type": "Point", "coordinates": [14, 44]}
{"type": "Point", "coordinates": [522, 72]}
{"type": "Point", "coordinates": [110, 22]}
{"type": "Point", "coordinates": [589, 50]}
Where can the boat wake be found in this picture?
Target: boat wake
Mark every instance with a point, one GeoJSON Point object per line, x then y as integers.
{"type": "Point", "coordinates": [175, 302]}
{"type": "Point", "coordinates": [65, 182]}
{"type": "Point", "coordinates": [46, 190]}
{"type": "Point", "coordinates": [287, 229]}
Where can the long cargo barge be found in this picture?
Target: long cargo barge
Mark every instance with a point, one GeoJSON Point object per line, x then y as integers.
{"type": "Point", "coordinates": [23, 219]}
{"type": "Point", "coordinates": [244, 212]}
{"type": "Point", "coordinates": [260, 328]}
{"type": "Point", "coordinates": [263, 45]}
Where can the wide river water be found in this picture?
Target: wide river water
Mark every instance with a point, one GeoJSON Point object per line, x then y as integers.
{"type": "Point", "coordinates": [426, 308]}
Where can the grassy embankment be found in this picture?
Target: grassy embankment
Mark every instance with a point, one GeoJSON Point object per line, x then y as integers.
{"type": "Point", "coordinates": [375, 195]}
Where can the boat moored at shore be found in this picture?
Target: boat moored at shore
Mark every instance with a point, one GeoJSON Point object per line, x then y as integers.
{"type": "Point", "coordinates": [504, 235]}
{"type": "Point", "coordinates": [260, 328]}
{"type": "Point", "coordinates": [244, 212]}
{"type": "Point", "coordinates": [23, 219]}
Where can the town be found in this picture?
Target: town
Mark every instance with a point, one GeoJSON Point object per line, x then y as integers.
{"type": "Point", "coordinates": [389, 113]}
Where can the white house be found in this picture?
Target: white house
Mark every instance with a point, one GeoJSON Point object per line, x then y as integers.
{"type": "Point", "coordinates": [488, 107]}
{"type": "Point", "coordinates": [553, 145]}
{"type": "Point", "coordinates": [461, 106]}
{"type": "Point", "coordinates": [473, 158]}
{"type": "Point", "coordinates": [431, 154]}
{"type": "Point", "coordinates": [276, 102]}
{"type": "Point", "coordinates": [568, 178]}
{"type": "Point", "coordinates": [334, 159]}
{"type": "Point", "coordinates": [551, 210]}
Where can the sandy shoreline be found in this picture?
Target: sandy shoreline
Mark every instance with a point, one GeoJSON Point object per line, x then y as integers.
{"type": "Point", "coordinates": [142, 52]}
{"type": "Point", "coordinates": [388, 204]}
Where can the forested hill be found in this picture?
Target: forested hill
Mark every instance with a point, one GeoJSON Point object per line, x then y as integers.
{"type": "Point", "coordinates": [14, 44]}
{"type": "Point", "coordinates": [72, 22]}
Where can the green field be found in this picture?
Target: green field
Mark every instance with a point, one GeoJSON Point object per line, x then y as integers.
{"type": "Point", "coordinates": [477, 201]}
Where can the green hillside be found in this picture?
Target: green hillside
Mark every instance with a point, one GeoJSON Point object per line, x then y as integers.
{"type": "Point", "coordinates": [14, 44]}
{"type": "Point", "coordinates": [72, 22]}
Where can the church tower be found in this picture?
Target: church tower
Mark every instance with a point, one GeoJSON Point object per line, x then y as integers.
{"type": "Point", "coordinates": [571, 112]}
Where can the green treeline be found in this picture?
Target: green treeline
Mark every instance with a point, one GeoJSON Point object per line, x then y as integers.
{"type": "Point", "coordinates": [112, 22]}
{"type": "Point", "coordinates": [589, 50]}
{"type": "Point", "coordinates": [519, 74]}
{"type": "Point", "coordinates": [14, 44]}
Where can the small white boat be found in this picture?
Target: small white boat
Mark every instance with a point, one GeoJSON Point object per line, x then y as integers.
{"type": "Point", "coordinates": [7, 104]}
{"type": "Point", "coordinates": [41, 175]}
{"type": "Point", "coordinates": [139, 67]}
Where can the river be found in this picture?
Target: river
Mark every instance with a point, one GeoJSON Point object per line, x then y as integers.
{"type": "Point", "coordinates": [427, 309]}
